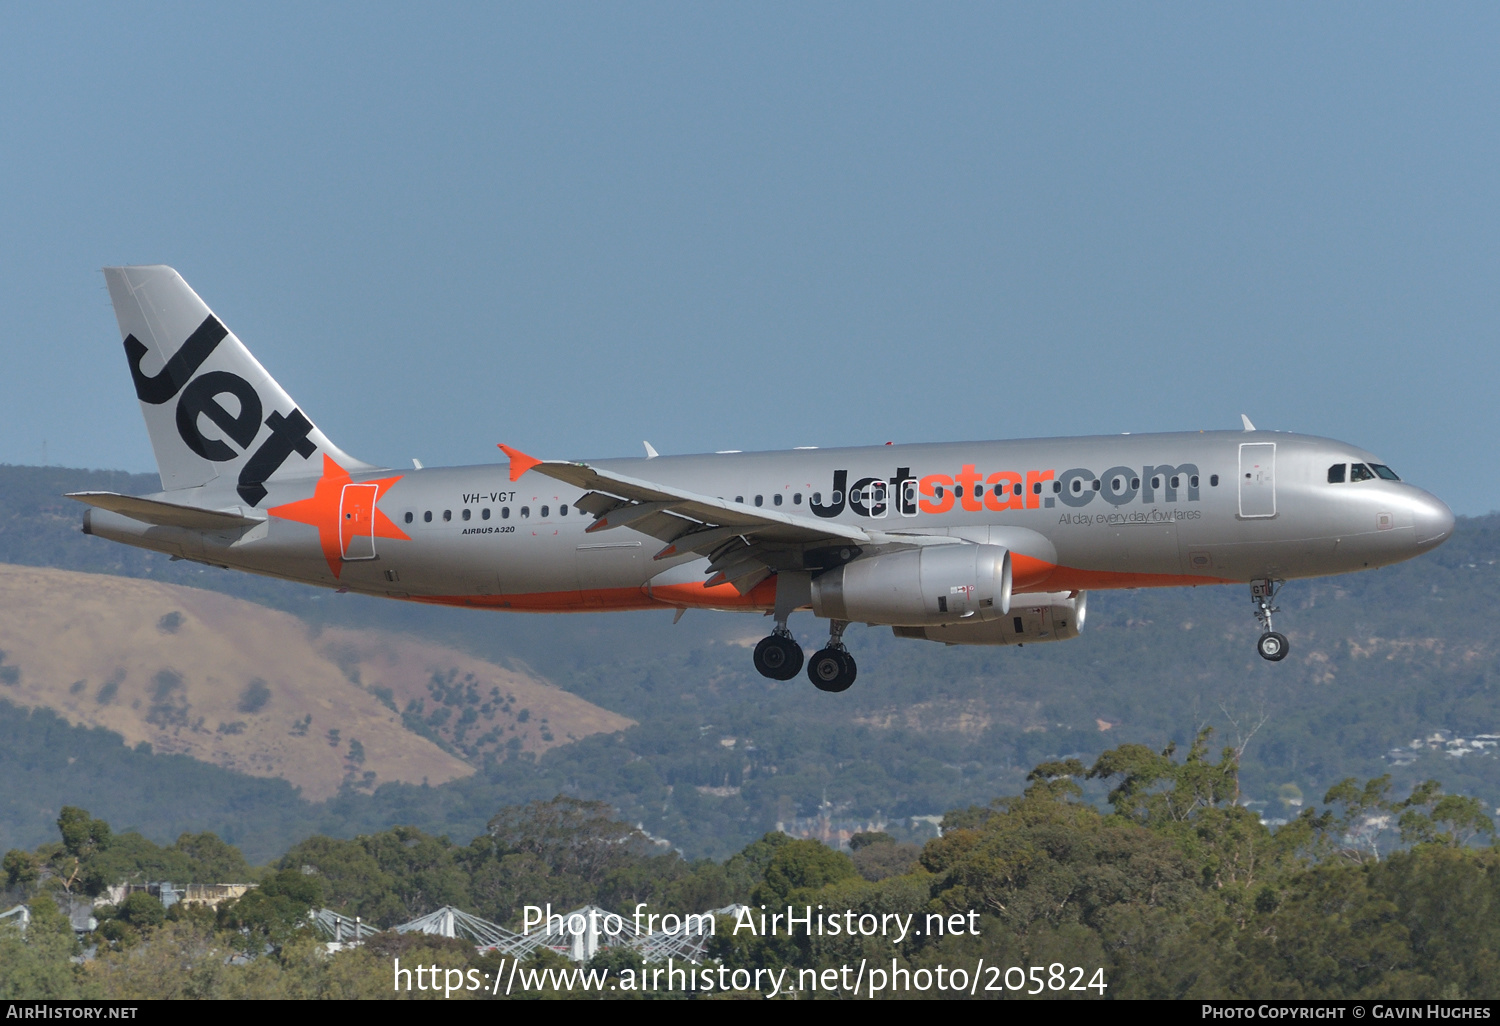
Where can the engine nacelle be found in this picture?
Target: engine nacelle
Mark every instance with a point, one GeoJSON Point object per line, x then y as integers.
{"type": "Point", "coordinates": [1056, 616]}
{"type": "Point", "coordinates": [935, 584]}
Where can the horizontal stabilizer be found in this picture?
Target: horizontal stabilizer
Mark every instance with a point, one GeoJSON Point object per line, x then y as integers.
{"type": "Point", "coordinates": [165, 514]}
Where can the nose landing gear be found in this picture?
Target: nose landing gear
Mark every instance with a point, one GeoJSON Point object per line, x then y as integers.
{"type": "Point", "coordinates": [1272, 645]}
{"type": "Point", "coordinates": [832, 668]}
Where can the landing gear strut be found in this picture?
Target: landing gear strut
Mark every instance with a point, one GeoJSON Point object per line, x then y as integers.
{"type": "Point", "coordinates": [779, 656]}
{"type": "Point", "coordinates": [832, 668]}
{"type": "Point", "coordinates": [1272, 646]}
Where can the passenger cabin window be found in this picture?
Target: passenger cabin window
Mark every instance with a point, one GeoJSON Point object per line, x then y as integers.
{"type": "Point", "coordinates": [817, 498]}
{"type": "Point", "coordinates": [739, 498]}
{"type": "Point", "coordinates": [1385, 472]}
{"type": "Point", "coordinates": [545, 511]}
{"type": "Point", "coordinates": [447, 515]}
{"type": "Point", "coordinates": [797, 499]}
{"type": "Point", "coordinates": [525, 511]}
{"type": "Point", "coordinates": [1360, 472]}
{"type": "Point", "coordinates": [1336, 473]}
{"type": "Point", "coordinates": [1213, 481]}
{"type": "Point", "coordinates": [504, 512]}
{"type": "Point", "coordinates": [760, 500]}
{"type": "Point", "coordinates": [563, 509]}
{"type": "Point", "coordinates": [427, 517]}
{"type": "Point", "coordinates": [467, 514]}
{"type": "Point", "coordinates": [409, 517]}
{"type": "Point", "coordinates": [484, 514]}
{"type": "Point", "coordinates": [776, 499]}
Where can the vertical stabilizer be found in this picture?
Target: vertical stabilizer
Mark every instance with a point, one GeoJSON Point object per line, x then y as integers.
{"type": "Point", "coordinates": [217, 420]}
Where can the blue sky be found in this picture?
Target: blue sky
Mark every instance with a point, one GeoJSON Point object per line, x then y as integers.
{"type": "Point", "coordinates": [572, 227]}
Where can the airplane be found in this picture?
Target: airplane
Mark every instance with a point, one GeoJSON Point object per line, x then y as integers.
{"type": "Point", "coordinates": [964, 543]}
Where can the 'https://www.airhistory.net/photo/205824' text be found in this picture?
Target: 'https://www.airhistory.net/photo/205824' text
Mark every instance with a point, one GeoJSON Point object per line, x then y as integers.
{"type": "Point", "coordinates": [866, 978]}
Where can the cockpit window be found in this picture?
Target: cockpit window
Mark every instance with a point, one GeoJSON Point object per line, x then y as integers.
{"type": "Point", "coordinates": [1386, 473]}
{"type": "Point", "coordinates": [1336, 473]}
{"type": "Point", "coordinates": [1360, 472]}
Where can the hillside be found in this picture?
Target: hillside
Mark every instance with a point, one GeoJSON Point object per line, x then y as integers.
{"type": "Point", "coordinates": [254, 690]}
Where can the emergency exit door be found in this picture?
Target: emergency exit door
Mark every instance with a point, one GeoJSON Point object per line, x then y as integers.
{"type": "Point", "coordinates": [357, 521]}
{"type": "Point", "coordinates": [1257, 479]}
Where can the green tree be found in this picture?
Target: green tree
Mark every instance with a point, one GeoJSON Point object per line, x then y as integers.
{"type": "Point", "coordinates": [211, 860]}
{"type": "Point", "coordinates": [354, 882]}
{"type": "Point", "coordinates": [21, 868]}
{"type": "Point", "coordinates": [83, 838]}
{"type": "Point", "coordinates": [39, 965]}
{"type": "Point", "coordinates": [1430, 817]}
{"type": "Point", "coordinates": [131, 858]}
{"type": "Point", "coordinates": [801, 866]}
{"type": "Point", "coordinates": [124, 924]}
{"type": "Point", "coordinates": [275, 911]}
{"type": "Point", "coordinates": [575, 838]}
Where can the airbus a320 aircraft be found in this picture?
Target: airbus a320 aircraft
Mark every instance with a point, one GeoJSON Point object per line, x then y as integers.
{"type": "Point", "coordinates": [974, 543]}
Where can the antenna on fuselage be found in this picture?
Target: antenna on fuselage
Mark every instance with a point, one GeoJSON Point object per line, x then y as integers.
{"type": "Point", "coordinates": [1246, 420]}
{"type": "Point", "coordinates": [651, 453]}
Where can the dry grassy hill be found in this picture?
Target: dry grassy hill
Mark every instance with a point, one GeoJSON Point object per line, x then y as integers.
{"type": "Point", "coordinates": [257, 691]}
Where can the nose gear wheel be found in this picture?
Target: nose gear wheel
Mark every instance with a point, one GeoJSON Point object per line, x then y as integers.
{"type": "Point", "coordinates": [1272, 646]}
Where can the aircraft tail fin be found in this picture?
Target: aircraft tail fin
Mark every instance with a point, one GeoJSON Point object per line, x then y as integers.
{"type": "Point", "coordinates": [217, 420]}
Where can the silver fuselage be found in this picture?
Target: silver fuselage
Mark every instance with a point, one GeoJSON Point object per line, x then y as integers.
{"type": "Point", "coordinates": [1168, 509]}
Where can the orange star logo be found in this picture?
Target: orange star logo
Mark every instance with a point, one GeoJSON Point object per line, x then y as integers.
{"type": "Point", "coordinates": [344, 513]}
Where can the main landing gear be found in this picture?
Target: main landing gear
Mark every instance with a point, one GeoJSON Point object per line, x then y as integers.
{"type": "Point", "coordinates": [778, 656]}
{"type": "Point", "coordinates": [832, 668]}
{"type": "Point", "coordinates": [1272, 646]}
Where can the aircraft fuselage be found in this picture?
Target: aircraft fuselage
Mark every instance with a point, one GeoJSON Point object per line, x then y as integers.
{"type": "Point", "coordinates": [1122, 511]}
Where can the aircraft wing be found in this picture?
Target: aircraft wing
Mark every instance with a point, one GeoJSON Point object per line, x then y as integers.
{"type": "Point", "coordinates": [745, 544]}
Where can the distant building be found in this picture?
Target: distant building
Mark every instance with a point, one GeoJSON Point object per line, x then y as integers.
{"type": "Point", "coordinates": [169, 894]}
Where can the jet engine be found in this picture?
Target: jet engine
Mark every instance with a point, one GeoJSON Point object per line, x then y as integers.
{"type": "Point", "coordinates": [1055, 616]}
{"type": "Point", "coordinates": [935, 584]}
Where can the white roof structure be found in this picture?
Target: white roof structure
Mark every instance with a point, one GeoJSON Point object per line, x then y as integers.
{"type": "Point", "coordinates": [579, 934]}
{"type": "Point", "coordinates": [341, 929]}
{"type": "Point", "coordinates": [455, 922]}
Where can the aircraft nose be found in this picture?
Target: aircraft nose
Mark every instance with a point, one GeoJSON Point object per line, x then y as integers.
{"type": "Point", "coordinates": [1432, 519]}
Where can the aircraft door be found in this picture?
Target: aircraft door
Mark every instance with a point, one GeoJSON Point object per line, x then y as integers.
{"type": "Point", "coordinates": [1257, 479]}
{"type": "Point", "coordinates": [908, 497]}
{"type": "Point", "coordinates": [606, 568]}
{"type": "Point", "coordinates": [357, 521]}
